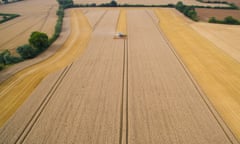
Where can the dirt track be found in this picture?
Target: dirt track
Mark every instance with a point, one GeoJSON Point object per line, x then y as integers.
{"type": "Point", "coordinates": [131, 90]}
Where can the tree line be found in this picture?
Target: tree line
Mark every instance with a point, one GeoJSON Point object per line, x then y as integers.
{"type": "Point", "coordinates": [7, 17]}
{"type": "Point", "coordinates": [188, 11]}
{"type": "Point", "coordinates": [226, 20]}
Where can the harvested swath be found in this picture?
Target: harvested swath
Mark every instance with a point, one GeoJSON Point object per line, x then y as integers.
{"type": "Point", "coordinates": [205, 14]}
{"type": "Point", "coordinates": [225, 37]}
{"type": "Point", "coordinates": [162, 100]}
{"type": "Point", "coordinates": [217, 73]}
{"type": "Point", "coordinates": [85, 106]}
{"type": "Point", "coordinates": [15, 90]}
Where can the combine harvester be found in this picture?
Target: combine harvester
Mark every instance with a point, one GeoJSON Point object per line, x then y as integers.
{"type": "Point", "coordinates": [120, 35]}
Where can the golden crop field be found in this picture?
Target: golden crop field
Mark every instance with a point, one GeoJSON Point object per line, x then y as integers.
{"type": "Point", "coordinates": [165, 79]}
{"type": "Point", "coordinates": [215, 71]}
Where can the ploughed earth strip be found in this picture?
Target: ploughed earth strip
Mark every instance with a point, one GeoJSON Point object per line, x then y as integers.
{"type": "Point", "coordinates": [133, 90]}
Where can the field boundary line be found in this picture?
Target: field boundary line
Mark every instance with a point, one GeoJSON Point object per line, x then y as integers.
{"type": "Point", "coordinates": [99, 20]}
{"type": "Point", "coordinates": [123, 130]}
{"type": "Point", "coordinates": [29, 126]}
{"type": "Point", "coordinates": [46, 18]}
{"type": "Point", "coordinates": [126, 40]}
{"type": "Point", "coordinates": [229, 134]}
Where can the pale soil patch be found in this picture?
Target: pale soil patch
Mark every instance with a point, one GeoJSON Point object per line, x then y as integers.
{"type": "Point", "coordinates": [205, 14]}
{"type": "Point", "coordinates": [217, 73]}
{"type": "Point", "coordinates": [225, 37]}
{"type": "Point", "coordinates": [15, 90]}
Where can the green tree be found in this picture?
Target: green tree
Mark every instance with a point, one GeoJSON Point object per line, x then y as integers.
{"type": "Point", "coordinates": [5, 1]}
{"type": "Point", "coordinates": [39, 41]}
{"type": "Point", "coordinates": [26, 52]}
{"type": "Point", "coordinates": [231, 20]}
{"type": "Point", "coordinates": [1, 58]}
{"type": "Point", "coordinates": [66, 3]}
{"type": "Point", "coordinates": [1, 67]}
{"type": "Point", "coordinates": [5, 17]}
{"type": "Point", "coordinates": [180, 6]}
{"type": "Point", "coordinates": [113, 3]}
{"type": "Point", "coordinates": [212, 20]}
{"type": "Point", "coordinates": [6, 58]}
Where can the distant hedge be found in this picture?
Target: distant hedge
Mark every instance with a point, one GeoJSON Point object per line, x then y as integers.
{"type": "Point", "coordinates": [227, 20]}
{"type": "Point", "coordinates": [7, 17]}
{"type": "Point", "coordinates": [115, 4]}
{"type": "Point", "coordinates": [6, 58]}
{"type": "Point", "coordinates": [188, 11]}
{"type": "Point", "coordinates": [7, 1]}
{"type": "Point", "coordinates": [65, 3]}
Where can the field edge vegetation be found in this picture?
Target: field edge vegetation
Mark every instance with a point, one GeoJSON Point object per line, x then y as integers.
{"type": "Point", "coordinates": [7, 17]}
{"type": "Point", "coordinates": [227, 20]}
